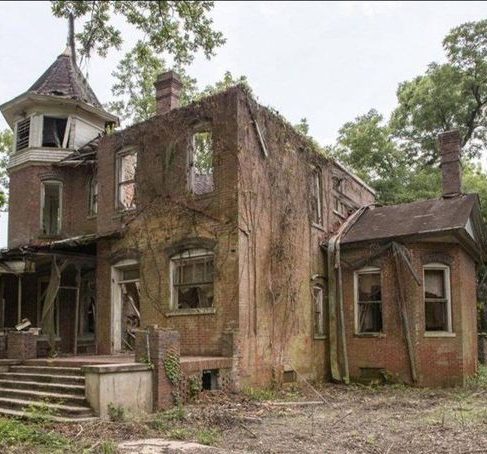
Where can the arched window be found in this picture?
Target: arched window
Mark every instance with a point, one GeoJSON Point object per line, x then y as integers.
{"type": "Point", "coordinates": [437, 298]}
{"type": "Point", "coordinates": [192, 279]}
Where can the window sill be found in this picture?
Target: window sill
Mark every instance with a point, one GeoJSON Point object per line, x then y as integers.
{"type": "Point", "coordinates": [439, 334]}
{"type": "Point", "coordinates": [91, 217]}
{"type": "Point", "coordinates": [379, 335]}
{"type": "Point", "coordinates": [122, 213]}
{"type": "Point", "coordinates": [317, 337]}
{"type": "Point", "coordinates": [318, 226]}
{"type": "Point", "coordinates": [201, 311]}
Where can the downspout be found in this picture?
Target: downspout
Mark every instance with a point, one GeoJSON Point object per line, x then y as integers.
{"type": "Point", "coordinates": [334, 279]}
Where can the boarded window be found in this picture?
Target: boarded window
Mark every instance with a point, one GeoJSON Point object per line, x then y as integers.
{"type": "Point", "coordinates": [317, 198]}
{"type": "Point", "coordinates": [126, 168]}
{"type": "Point", "coordinates": [202, 163]}
{"type": "Point", "coordinates": [92, 197]}
{"type": "Point", "coordinates": [193, 279]}
{"type": "Point", "coordinates": [369, 301]}
{"type": "Point", "coordinates": [437, 298]}
{"type": "Point", "coordinates": [23, 132]}
{"type": "Point", "coordinates": [319, 316]}
{"type": "Point", "coordinates": [51, 207]}
{"type": "Point", "coordinates": [54, 132]}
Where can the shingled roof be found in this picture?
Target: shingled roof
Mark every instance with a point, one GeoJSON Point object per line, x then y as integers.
{"type": "Point", "coordinates": [422, 217]}
{"type": "Point", "coordinates": [64, 79]}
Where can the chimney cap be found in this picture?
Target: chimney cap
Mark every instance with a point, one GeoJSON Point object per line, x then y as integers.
{"type": "Point", "coordinates": [169, 76]}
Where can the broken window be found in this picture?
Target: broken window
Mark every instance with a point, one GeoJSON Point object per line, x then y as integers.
{"type": "Point", "coordinates": [55, 132]}
{"type": "Point", "coordinates": [92, 197]}
{"type": "Point", "coordinates": [126, 168]}
{"type": "Point", "coordinates": [192, 279]}
{"type": "Point", "coordinates": [201, 163]}
{"type": "Point", "coordinates": [368, 294]}
{"type": "Point", "coordinates": [319, 316]}
{"type": "Point", "coordinates": [51, 207]}
{"type": "Point", "coordinates": [129, 283]}
{"type": "Point", "coordinates": [23, 132]}
{"type": "Point", "coordinates": [316, 197]}
{"type": "Point", "coordinates": [437, 304]}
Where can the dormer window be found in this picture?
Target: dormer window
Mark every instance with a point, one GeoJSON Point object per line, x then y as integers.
{"type": "Point", "coordinates": [23, 132]}
{"type": "Point", "coordinates": [55, 132]}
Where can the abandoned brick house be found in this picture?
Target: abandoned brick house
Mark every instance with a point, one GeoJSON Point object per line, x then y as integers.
{"type": "Point", "coordinates": [218, 220]}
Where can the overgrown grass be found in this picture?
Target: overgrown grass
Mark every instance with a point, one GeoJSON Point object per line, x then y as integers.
{"type": "Point", "coordinates": [208, 437]}
{"type": "Point", "coordinates": [260, 394]}
{"type": "Point", "coordinates": [14, 433]}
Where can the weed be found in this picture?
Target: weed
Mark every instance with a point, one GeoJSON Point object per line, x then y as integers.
{"type": "Point", "coordinates": [40, 411]}
{"type": "Point", "coordinates": [178, 433]}
{"type": "Point", "coordinates": [208, 437]}
{"type": "Point", "coordinates": [260, 393]}
{"type": "Point", "coordinates": [174, 414]}
{"type": "Point", "coordinates": [108, 447]}
{"type": "Point", "coordinates": [116, 413]}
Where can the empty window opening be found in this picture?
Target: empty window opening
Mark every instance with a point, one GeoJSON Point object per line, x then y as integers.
{"type": "Point", "coordinates": [192, 278]}
{"type": "Point", "coordinates": [368, 295]}
{"type": "Point", "coordinates": [319, 319]}
{"type": "Point", "coordinates": [23, 132]}
{"type": "Point", "coordinates": [437, 302]}
{"type": "Point", "coordinates": [202, 163]}
{"type": "Point", "coordinates": [289, 376]}
{"type": "Point", "coordinates": [209, 380]}
{"type": "Point", "coordinates": [317, 197]}
{"type": "Point", "coordinates": [51, 207]}
{"type": "Point", "coordinates": [126, 168]}
{"type": "Point", "coordinates": [129, 282]}
{"type": "Point", "coordinates": [93, 197]}
{"type": "Point", "coordinates": [87, 315]}
{"type": "Point", "coordinates": [54, 132]}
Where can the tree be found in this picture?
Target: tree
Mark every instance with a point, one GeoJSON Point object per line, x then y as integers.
{"type": "Point", "coordinates": [6, 138]}
{"type": "Point", "coordinates": [447, 96]}
{"type": "Point", "coordinates": [176, 28]}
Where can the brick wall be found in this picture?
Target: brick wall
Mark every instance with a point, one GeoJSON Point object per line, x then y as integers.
{"type": "Point", "coordinates": [439, 360]}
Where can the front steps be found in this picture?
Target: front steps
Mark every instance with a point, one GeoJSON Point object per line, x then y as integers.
{"type": "Point", "coordinates": [58, 393]}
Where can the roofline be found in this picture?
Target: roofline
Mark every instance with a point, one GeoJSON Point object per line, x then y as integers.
{"type": "Point", "coordinates": [355, 177]}
{"type": "Point", "coordinates": [36, 97]}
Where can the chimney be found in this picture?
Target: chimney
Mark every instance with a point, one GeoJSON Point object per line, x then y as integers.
{"type": "Point", "coordinates": [451, 167]}
{"type": "Point", "coordinates": [168, 88]}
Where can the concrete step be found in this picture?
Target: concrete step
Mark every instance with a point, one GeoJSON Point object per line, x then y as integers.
{"type": "Point", "coordinates": [62, 419]}
{"type": "Point", "coordinates": [77, 390]}
{"type": "Point", "coordinates": [42, 396]}
{"type": "Point", "coordinates": [44, 378]}
{"type": "Point", "coordinates": [52, 408]}
{"type": "Point", "coordinates": [46, 370]}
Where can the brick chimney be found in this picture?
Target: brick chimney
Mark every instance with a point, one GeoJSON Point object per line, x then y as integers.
{"type": "Point", "coordinates": [168, 88]}
{"type": "Point", "coordinates": [451, 168]}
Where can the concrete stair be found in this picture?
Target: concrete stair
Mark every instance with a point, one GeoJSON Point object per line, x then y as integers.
{"type": "Point", "coordinates": [57, 392]}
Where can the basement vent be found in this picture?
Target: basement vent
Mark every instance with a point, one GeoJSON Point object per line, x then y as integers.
{"type": "Point", "coordinates": [209, 379]}
{"type": "Point", "coordinates": [23, 130]}
{"type": "Point", "coordinates": [289, 376]}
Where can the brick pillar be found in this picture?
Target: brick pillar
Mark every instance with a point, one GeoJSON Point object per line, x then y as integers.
{"type": "Point", "coordinates": [21, 345]}
{"type": "Point", "coordinates": [161, 342]}
{"type": "Point", "coordinates": [231, 349]}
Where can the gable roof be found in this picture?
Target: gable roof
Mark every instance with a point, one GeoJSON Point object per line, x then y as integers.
{"type": "Point", "coordinates": [64, 79]}
{"type": "Point", "coordinates": [422, 217]}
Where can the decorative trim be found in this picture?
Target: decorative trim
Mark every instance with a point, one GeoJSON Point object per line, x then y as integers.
{"type": "Point", "coordinates": [190, 243]}
{"type": "Point", "coordinates": [437, 257]}
{"type": "Point", "coordinates": [124, 254]}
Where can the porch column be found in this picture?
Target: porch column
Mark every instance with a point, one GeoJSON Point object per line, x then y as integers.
{"type": "Point", "coordinates": [19, 298]}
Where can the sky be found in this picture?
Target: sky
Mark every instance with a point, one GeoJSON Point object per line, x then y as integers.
{"type": "Point", "coordinates": [326, 61]}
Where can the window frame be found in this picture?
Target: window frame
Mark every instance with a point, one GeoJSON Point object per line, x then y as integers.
{"type": "Point", "coordinates": [191, 161]}
{"type": "Point", "coordinates": [118, 161]}
{"type": "Point", "coordinates": [67, 130]}
{"type": "Point", "coordinates": [192, 253]}
{"type": "Point", "coordinates": [356, 275]}
{"type": "Point", "coordinates": [42, 205]}
{"type": "Point", "coordinates": [317, 334]}
{"type": "Point", "coordinates": [29, 119]}
{"type": "Point", "coordinates": [436, 266]}
{"type": "Point", "coordinates": [317, 197]}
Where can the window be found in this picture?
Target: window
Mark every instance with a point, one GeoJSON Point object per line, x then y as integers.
{"type": "Point", "coordinates": [126, 168]}
{"type": "Point", "coordinates": [92, 197]}
{"type": "Point", "coordinates": [23, 131]}
{"type": "Point", "coordinates": [192, 279]}
{"type": "Point", "coordinates": [316, 197]}
{"type": "Point", "coordinates": [437, 301]}
{"type": "Point", "coordinates": [55, 132]}
{"type": "Point", "coordinates": [51, 203]}
{"type": "Point", "coordinates": [319, 313]}
{"type": "Point", "coordinates": [368, 297]}
{"type": "Point", "coordinates": [201, 163]}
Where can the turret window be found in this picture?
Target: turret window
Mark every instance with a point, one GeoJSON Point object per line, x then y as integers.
{"type": "Point", "coordinates": [55, 132]}
{"type": "Point", "coordinates": [23, 132]}
{"type": "Point", "coordinates": [51, 207]}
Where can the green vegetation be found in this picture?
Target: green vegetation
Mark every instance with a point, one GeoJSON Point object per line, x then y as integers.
{"type": "Point", "coordinates": [208, 437]}
{"type": "Point", "coordinates": [116, 413]}
{"type": "Point", "coordinates": [260, 394]}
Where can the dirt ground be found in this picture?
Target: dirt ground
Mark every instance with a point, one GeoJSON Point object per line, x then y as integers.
{"type": "Point", "coordinates": [350, 419]}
